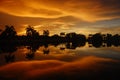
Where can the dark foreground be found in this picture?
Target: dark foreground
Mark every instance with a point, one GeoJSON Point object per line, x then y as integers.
{"type": "Point", "coordinates": [88, 68]}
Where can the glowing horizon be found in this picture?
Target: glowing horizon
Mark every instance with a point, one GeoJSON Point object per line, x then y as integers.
{"type": "Point", "coordinates": [81, 16]}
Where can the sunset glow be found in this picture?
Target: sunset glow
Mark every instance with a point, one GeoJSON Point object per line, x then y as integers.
{"type": "Point", "coordinates": [86, 16]}
{"type": "Point", "coordinates": [59, 39]}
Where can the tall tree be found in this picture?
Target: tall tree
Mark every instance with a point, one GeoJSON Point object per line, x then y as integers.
{"type": "Point", "coordinates": [45, 32]}
{"type": "Point", "coordinates": [9, 32]}
{"type": "Point", "coordinates": [31, 32]}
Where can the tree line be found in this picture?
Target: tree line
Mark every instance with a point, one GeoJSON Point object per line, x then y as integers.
{"type": "Point", "coordinates": [9, 36]}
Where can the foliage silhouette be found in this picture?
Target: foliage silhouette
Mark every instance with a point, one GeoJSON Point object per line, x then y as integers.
{"type": "Point", "coordinates": [72, 40]}
{"type": "Point", "coordinates": [9, 32]}
{"type": "Point", "coordinates": [32, 49]}
{"type": "Point", "coordinates": [10, 58]}
{"type": "Point", "coordinates": [45, 32]}
{"type": "Point", "coordinates": [9, 41]}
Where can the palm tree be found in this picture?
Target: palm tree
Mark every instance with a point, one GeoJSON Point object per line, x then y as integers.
{"type": "Point", "coordinates": [9, 32]}
{"type": "Point", "coordinates": [31, 32]}
{"type": "Point", "coordinates": [45, 32]}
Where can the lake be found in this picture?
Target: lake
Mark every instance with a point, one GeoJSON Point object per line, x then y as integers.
{"type": "Point", "coordinates": [67, 59]}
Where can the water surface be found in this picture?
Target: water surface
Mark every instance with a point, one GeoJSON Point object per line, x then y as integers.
{"type": "Point", "coordinates": [83, 62]}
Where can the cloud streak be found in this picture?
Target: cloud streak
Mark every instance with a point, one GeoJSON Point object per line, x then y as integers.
{"type": "Point", "coordinates": [87, 10]}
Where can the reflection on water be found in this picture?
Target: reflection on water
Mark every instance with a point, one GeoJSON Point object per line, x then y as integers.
{"type": "Point", "coordinates": [64, 52]}
{"type": "Point", "coordinates": [66, 61]}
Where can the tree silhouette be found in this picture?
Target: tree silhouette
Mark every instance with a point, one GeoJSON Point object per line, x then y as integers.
{"type": "Point", "coordinates": [9, 37]}
{"type": "Point", "coordinates": [30, 32]}
{"type": "Point", "coordinates": [97, 40]}
{"type": "Point", "coordinates": [108, 40]}
{"type": "Point", "coordinates": [32, 50]}
{"type": "Point", "coordinates": [9, 32]}
{"type": "Point", "coordinates": [73, 37]}
{"type": "Point", "coordinates": [116, 40]}
{"type": "Point", "coordinates": [10, 58]}
{"type": "Point", "coordinates": [62, 34]}
{"type": "Point", "coordinates": [46, 51]}
{"type": "Point", "coordinates": [9, 51]}
{"type": "Point", "coordinates": [46, 32]}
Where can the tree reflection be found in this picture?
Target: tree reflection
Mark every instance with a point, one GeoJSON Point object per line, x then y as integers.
{"type": "Point", "coordinates": [9, 41]}
{"type": "Point", "coordinates": [70, 46]}
{"type": "Point", "coordinates": [46, 49]}
{"type": "Point", "coordinates": [9, 52]}
{"type": "Point", "coordinates": [96, 40]}
{"type": "Point", "coordinates": [10, 58]}
{"type": "Point", "coordinates": [32, 49]}
{"type": "Point", "coordinates": [30, 55]}
{"type": "Point", "coordinates": [62, 47]}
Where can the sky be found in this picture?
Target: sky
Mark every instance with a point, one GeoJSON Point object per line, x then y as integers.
{"type": "Point", "coordinates": [80, 16]}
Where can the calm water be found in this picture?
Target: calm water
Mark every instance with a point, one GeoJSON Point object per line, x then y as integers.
{"type": "Point", "coordinates": [60, 52]}
{"type": "Point", "coordinates": [61, 62]}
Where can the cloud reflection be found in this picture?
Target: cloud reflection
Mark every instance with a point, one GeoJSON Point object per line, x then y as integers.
{"type": "Point", "coordinates": [94, 68]}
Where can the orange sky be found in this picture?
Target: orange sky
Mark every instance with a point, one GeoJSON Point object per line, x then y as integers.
{"type": "Point", "coordinates": [83, 16]}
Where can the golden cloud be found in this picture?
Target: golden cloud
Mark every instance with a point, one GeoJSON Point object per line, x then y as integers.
{"type": "Point", "coordinates": [27, 9]}
{"type": "Point", "coordinates": [87, 10]}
